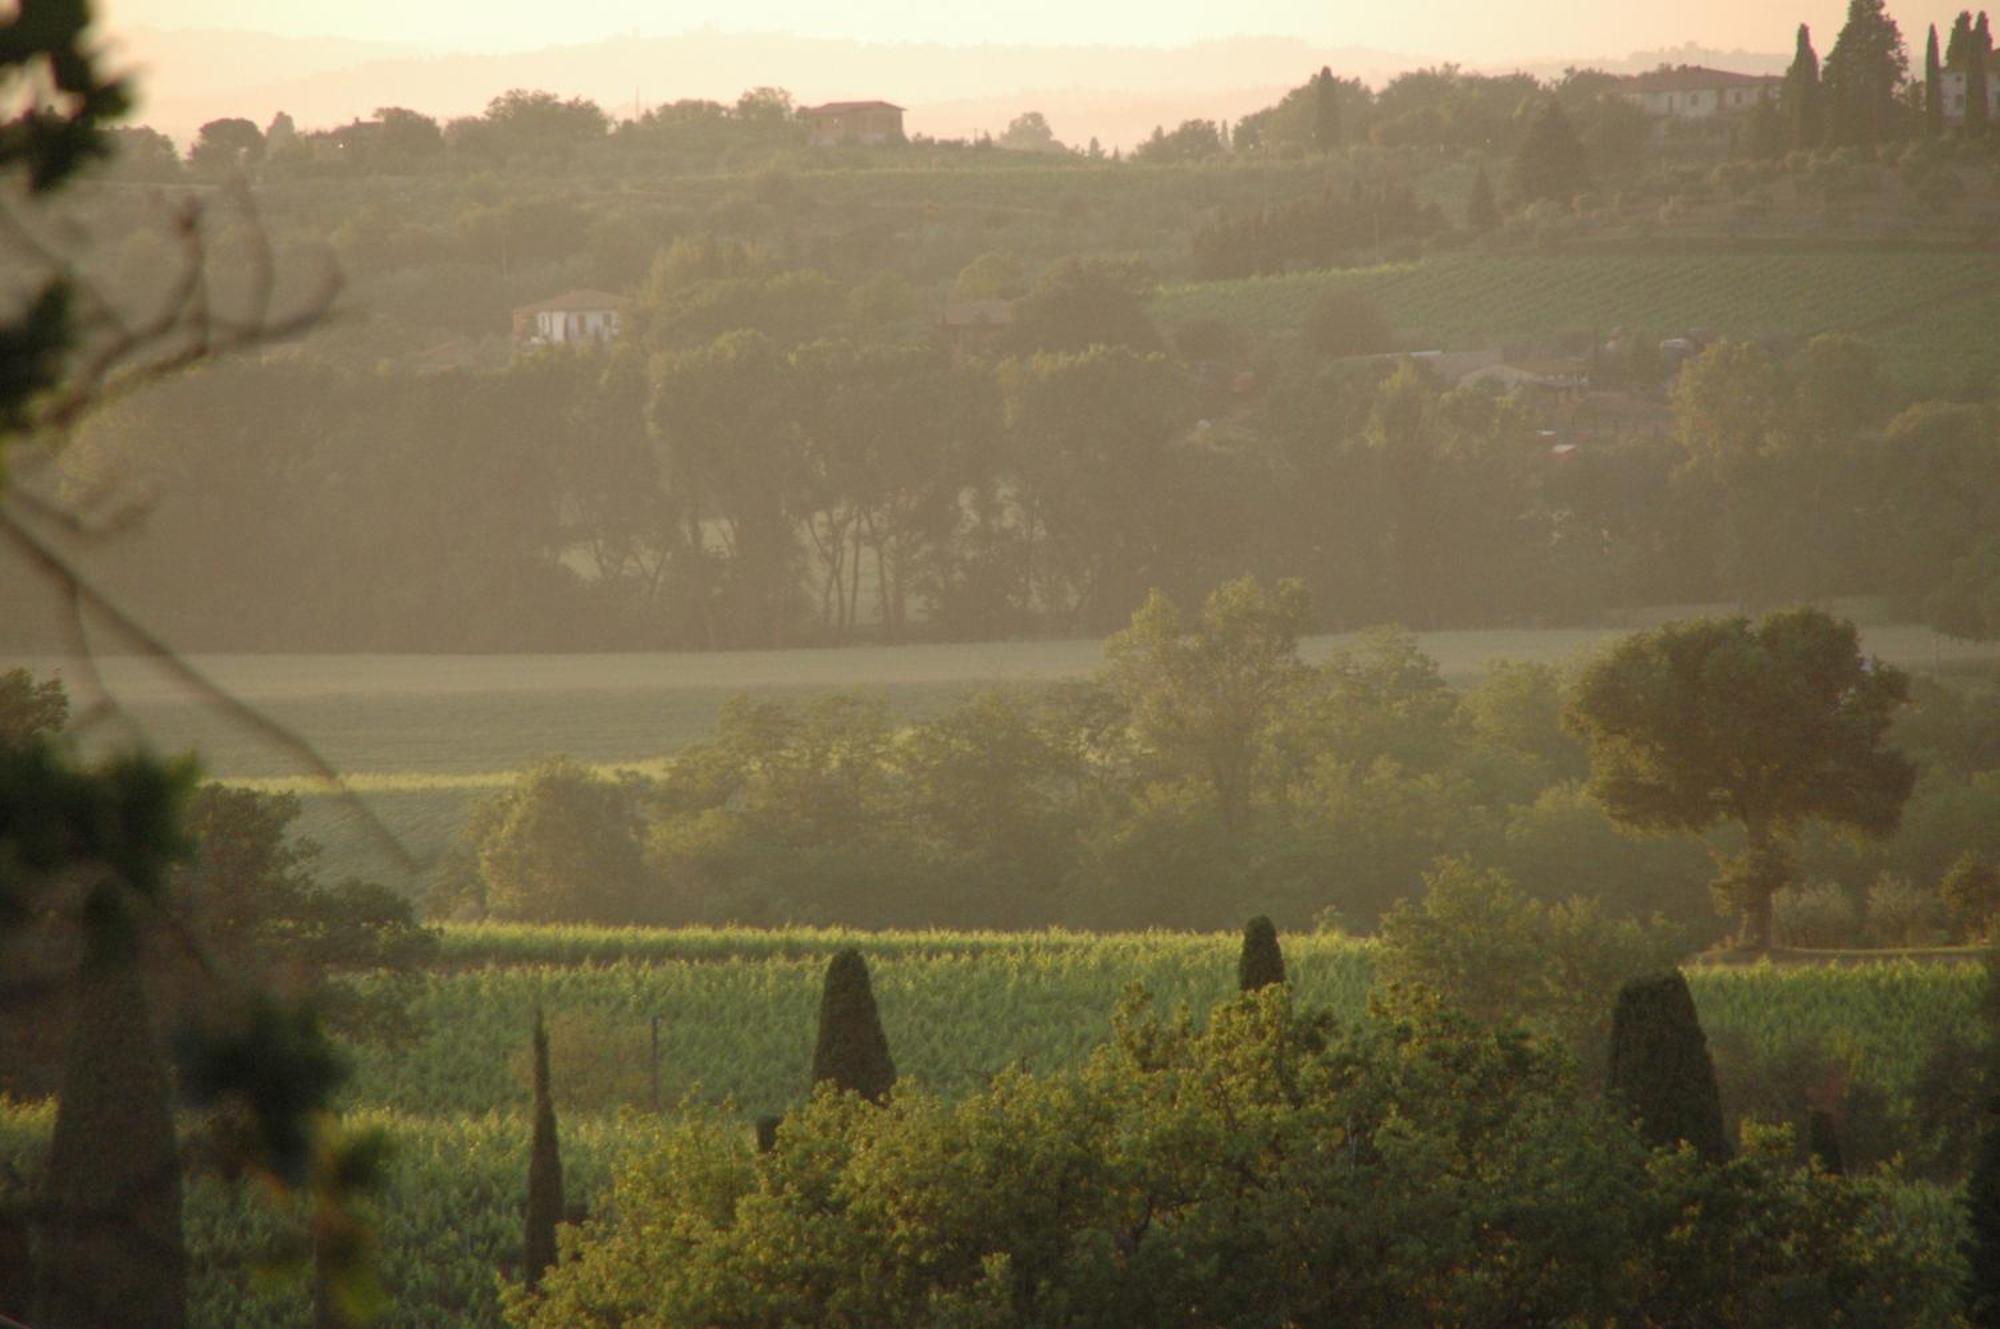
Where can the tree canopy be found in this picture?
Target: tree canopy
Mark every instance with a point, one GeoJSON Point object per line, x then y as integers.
{"type": "Point", "coordinates": [1767, 725]}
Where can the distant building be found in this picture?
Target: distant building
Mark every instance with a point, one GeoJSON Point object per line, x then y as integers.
{"type": "Point", "coordinates": [1951, 86]}
{"type": "Point", "coordinates": [974, 325]}
{"type": "Point", "coordinates": [853, 122]}
{"type": "Point", "coordinates": [570, 319]}
{"type": "Point", "coordinates": [1693, 92]}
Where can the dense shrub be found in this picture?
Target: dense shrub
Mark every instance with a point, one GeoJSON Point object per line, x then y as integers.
{"type": "Point", "coordinates": [1489, 951]}
{"type": "Point", "coordinates": [561, 846]}
{"type": "Point", "coordinates": [1902, 914]}
{"type": "Point", "coordinates": [1245, 1174]}
{"type": "Point", "coordinates": [1816, 914]}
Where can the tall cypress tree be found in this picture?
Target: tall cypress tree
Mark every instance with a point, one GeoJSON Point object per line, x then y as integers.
{"type": "Point", "coordinates": [852, 1052]}
{"type": "Point", "coordinates": [1260, 963]}
{"type": "Point", "coordinates": [1660, 1068]}
{"type": "Point", "coordinates": [1482, 210]}
{"type": "Point", "coordinates": [1326, 111]}
{"type": "Point", "coordinates": [113, 1252]}
{"type": "Point", "coordinates": [1982, 1183]}
{"type": "Point", "coordinates": [1800, 96]}
{"type": "Point", "coordinates": [1933, 87]}
{"type": "Point", "coordinates": [545, 1181]}
{"type": "Point", "coordinates": [1978, 73]}
{"type": "Point", "coordinates": [1552, 163]}
{"type": "Point", "coordinates": [1823, 1142]}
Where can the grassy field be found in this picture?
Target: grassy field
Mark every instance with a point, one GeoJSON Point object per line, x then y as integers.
{"type": "Point", "coordinates": [422, 737]}
{"type": "Point", "coordinates": [1917, 308]}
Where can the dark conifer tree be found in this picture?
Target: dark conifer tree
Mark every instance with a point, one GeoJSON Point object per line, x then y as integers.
{"type": "Point", "coordinates": [1823, 1142]}
{"type": "Point", "coordinates": [1978, 73]}
{"type": "Point", "coordinates": [1660, 1068]}
{"type": "Point", "coordinates": [1982, 1183]}
{"type": "Point", "coordinates": [1800, 98]}
{"type": "Point", "coordinates": [1982, 1240]}
{"type": "Point", "coordinates": [1552, 163]}
{"type": "Point", "coordinates": [17, 1256]}
{"type": "Point", "coordinates": [1260, 963]}
{"type": "Point", "coordinates": [852, 1052]}
{"type": "Point", "coordinates": [1326, 111]}
{"type": "Point", "coordinates": [767, 1133]}
{"type": "Point", "coordinates": [1933, 87]}
{"type": "Point", "coordinates": [545, 1181]}
{"type": "Point", "coordinates": [1482, 211]}
{"type": "Point", "coordinates": [113, 1252]}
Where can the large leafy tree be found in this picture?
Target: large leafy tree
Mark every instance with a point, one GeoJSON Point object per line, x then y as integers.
{"type": "Point", "coordinates": [1766, 726]}
{"type": "Point", "coordinates": [1203, 691]}
{"type": "Point", "coordinates": [1864, 75]}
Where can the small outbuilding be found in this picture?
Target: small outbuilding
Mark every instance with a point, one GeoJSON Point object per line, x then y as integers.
{"type": "Point", "coordinates": [571, 319]}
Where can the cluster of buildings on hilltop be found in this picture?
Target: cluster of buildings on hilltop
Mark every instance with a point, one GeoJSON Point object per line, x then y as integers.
{"type": "Point", "coordinates": [1695, 92]}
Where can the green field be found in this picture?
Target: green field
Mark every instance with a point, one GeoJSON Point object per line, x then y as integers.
{"type": "Point", "coordinates": [1922, 310]}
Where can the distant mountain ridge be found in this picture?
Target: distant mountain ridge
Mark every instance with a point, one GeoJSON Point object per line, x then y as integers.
{"type": "Point", "coordinates": [1116, 94]}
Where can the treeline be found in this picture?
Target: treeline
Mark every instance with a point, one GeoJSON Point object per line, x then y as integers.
{"type": "Point", "coordinates": [1205, 768]}
{"type": "Point", "coordinates": [778, 458]}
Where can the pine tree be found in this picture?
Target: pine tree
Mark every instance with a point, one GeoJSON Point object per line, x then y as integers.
{"type": "Point", "coordinates": [1551, 163]}
{"type": "Point", "coordinates": [852, 1052]}
{"type": "Point", "coordinates": [1800, 98]}
{"type": "Point", "coordinates": [113, 1252]}
{"type": "Point", "coordinates": [1933, 87]}
{"type": "Point", "coordinates": [545, 1181]}
{"type": "Point", "coordinates": [1260, 963]}
{"type": "Point", "coordinates": [1326, 111]}
{"type": "Point", "coordinates": [1823, 1142]}
{"type": "Point", "coordinates": [1864, 71]}
{"type": "Point", "coordinates": [1482, 211]}
{"type": "Point", "coordinates": [1660, 1068]}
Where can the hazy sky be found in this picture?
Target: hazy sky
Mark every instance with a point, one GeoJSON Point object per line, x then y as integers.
{"type": "Point", "coordinates": [1472, 31]}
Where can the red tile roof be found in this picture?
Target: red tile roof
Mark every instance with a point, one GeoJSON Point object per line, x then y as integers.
{"type": "Point", "coordinates": [576, 302]}
{"type": "Point", "coordinates": [1693, 78]}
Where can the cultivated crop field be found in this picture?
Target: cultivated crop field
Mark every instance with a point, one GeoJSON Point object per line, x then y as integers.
{"type": "Point", "coordinates": [1914, 307]}
{"type": "Point", "coordinates": [737, 1011]}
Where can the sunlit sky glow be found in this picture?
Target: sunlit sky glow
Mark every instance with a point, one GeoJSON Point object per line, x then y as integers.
{"type": "Point", "coordinates": [1470, 31]}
